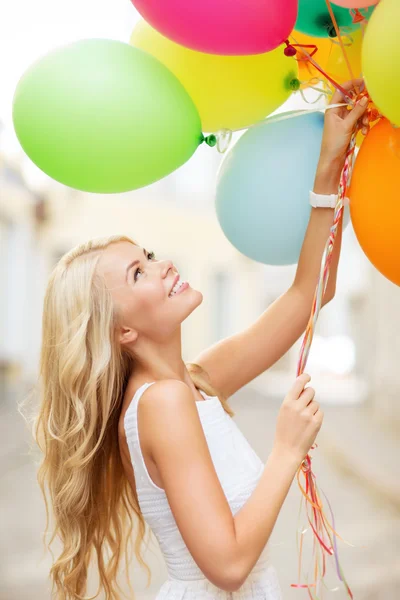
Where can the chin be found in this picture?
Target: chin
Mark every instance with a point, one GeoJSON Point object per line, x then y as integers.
{"type": "Point", "coordinates": [195, 301]}
{"type": "Point", "coordinates": [199, 295]}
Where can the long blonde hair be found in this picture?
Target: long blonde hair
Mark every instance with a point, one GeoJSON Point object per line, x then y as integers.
{"type": "Point", "coordinates": [83, 377]}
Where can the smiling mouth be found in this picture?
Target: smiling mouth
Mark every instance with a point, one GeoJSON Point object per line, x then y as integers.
{"type": "Point", "coordinates": [177, 287]}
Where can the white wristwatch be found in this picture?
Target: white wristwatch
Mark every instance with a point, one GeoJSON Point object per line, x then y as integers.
{"type": "Point", "coordinates": [325, 200]}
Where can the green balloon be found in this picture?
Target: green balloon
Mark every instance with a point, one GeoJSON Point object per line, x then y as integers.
{"type": "Point", "coordinates": [314, 19]}
{"type": "Point", "coordinates": [102, 116]}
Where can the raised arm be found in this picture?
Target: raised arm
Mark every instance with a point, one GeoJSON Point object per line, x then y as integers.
{"type": "Point", "coordinates": [235, 361]}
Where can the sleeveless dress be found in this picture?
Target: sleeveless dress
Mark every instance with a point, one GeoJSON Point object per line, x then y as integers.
{"type": "Point", "coordinates": [238, 468]}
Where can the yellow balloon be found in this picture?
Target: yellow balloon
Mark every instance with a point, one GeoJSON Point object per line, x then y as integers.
{"type": "Point", "coordinates": [381, 59]}
{"type": "Point", "coordinates": [229, 91]}
{"type": "Point", "coordinates": [330, 57]}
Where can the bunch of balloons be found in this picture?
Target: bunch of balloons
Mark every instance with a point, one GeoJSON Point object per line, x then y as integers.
{"type": "Point", "coordinates": [105, 116]}
{"type": "Point", "coordinates": [374, 200]}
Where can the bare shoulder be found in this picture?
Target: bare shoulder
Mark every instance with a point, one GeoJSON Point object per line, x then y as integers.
{"type": "Point", "coordinates": [163, 409]}
{"type": "Point", "coordinates": [168, 392]}
{"type": "Point", "coordinates": [166, 389]}
{"type": "Point", "coordinates": [169, 386]}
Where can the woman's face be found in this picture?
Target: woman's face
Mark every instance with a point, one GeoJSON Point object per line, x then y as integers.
{"type": "Point", "coordinates": [140, 285]}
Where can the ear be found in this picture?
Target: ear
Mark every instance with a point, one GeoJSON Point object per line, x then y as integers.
{"type": "Point", "coordinates": [127, 336]}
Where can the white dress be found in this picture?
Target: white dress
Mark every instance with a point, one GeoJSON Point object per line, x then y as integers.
{"type": "Point", "coordinates": [238, 468]}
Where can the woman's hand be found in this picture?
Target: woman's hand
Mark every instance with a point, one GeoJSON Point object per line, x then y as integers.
{"type": "Point", "coordinates": [340, 123]}
{"type": "Point", "coordinates": [299, 420]}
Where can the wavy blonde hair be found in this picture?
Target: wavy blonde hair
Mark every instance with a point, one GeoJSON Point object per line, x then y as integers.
{"type": "Point", "coordinates": [83, 377]}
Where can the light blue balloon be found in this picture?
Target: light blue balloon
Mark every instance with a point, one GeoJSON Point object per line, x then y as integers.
{"type": "Point", "coordinates": [263, 184]}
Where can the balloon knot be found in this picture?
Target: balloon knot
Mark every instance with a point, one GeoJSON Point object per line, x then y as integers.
{"type": "Point", "coordinates": [289, 50]}
{"type": "Point", "coordinates": [358, 17]}
{"type": "Point", "coordinates": [221, 139]}
{"type": "Point", "coordinates": [210, 140]}
{"type": "Point", "coordinates": [331, 31]}
{"type": "Point", "coordinates": [294, 84]}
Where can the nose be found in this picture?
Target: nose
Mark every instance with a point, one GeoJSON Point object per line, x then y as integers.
{"type": "Point", "coordinates": [166, 267]}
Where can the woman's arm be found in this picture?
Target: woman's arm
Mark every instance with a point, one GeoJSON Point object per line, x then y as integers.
{"type": "Point", "coordinates": [235, 361]}
{"type": "Point", "coordinates": [321, 219]}
{"type": "Point", "coordinates": [224, 547]}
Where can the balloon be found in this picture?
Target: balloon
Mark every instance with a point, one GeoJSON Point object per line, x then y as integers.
{"type": "Point", "coordinates": [314, 18]}
{"type": "Point", "coordinates": [374, 199]}
{"type": "Point", "coordinates": [330, 57]}
{"type": "Point", "coordinates": [355, 3]}
{"type": "Point", "coordinates": [101, 116]}
{"type": "Point", "coordinates": [381, 59]}
{"type": "Point", "coordinates": [222, 26]}
{"type": "Point", "coordinates": [263, 184]}
{"type": "Point", "coordinates": [229, 91]}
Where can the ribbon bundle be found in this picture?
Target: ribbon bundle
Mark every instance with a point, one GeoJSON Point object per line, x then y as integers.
{"type": "Point", "coordinates": [324, 532]}
{"type": "Point", "coordinates": [324, 541]}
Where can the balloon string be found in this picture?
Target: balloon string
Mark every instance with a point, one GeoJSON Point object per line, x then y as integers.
{"type": "Point", "coordinates": [336, 85]}
{"type": "Point", "coordinates": [311, 84]}
{"type": "Point", "coordinates": [290, 114]}
{"type": "Point", "coordinates": [332, 15]}
{"type": "Point", "coordinates": [223, 137]}
{"type": "Point", "coordinates": [345, 36]}
{"type": "Point", "coordinates": [318, 522]}
{"type": "Point", "coordinates": [359, 18]}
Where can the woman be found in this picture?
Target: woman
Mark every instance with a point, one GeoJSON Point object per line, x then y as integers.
{"type": "Point", "coordinates": [112, 336]}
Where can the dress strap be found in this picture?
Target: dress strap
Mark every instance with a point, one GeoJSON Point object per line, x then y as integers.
{"type": "Point", "coordinates": [142, 476]}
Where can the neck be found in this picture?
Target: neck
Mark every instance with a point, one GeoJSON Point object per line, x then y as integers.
{"type": "Point", "coordinates": [154, 361]}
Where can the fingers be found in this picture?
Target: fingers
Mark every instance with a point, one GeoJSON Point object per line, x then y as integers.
{"type": "Point", "coordinates": [299, 385]}
{"type": "Point", "coordinates": [357, 112]}
{"type": "Point", "coordinates": [312, 408]}
{"type": "Point", "coordinates": [338, 96]}
{"type": "Point", "coordinates": [353, 84]}
{"type": "Point", "coordinates": [306, 397]}
{"type": "Point", "coordinates": [365, 125]}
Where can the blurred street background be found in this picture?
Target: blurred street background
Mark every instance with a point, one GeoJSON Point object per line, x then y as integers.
{"type": "Point", "coordinates": [354, 360]}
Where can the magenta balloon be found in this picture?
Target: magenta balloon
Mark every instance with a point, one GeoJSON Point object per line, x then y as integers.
{"type": "Point", "coordinates": [355, 3]}
{"type": "Point", "coordinates": [222, 26]}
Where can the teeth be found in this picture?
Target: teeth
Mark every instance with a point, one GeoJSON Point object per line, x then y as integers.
{"type": "Point", "coordinates": [176, 287]}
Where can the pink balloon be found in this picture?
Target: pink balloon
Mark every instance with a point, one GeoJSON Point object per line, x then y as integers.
{"type": "Point", "coordinates": [222, 26]}
{"type": "Point", "coordinates": [355, 3]}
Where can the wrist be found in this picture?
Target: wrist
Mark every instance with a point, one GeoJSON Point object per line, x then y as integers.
{"type": "Point", "coordinates": [286, 455]}
{"type": "Point", "coordinates": [327, 177]}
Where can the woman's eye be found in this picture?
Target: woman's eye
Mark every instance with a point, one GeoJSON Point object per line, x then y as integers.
{"type": "Point", "coordinates": [150, 256]}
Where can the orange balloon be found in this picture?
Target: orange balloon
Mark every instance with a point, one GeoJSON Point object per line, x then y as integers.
{"type": "Point", "coordinates": [374, 199]}
{"type": "Point", "coordinates": [329, 56]}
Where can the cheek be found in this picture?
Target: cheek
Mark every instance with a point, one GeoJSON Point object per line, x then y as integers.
{"type": "Point", "coordinates": [148, 298]}
{"type": "Point", "coordinates": [142, 304]}
{"type": "Point", "coordinates": [153, 295]}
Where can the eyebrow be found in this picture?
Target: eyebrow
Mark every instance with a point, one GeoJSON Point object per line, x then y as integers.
{"type": "Point", "coordinates": [132, 264]}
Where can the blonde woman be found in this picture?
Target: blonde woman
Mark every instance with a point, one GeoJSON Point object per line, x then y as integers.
{"type": "Point", "coordinates": [131, 435]}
